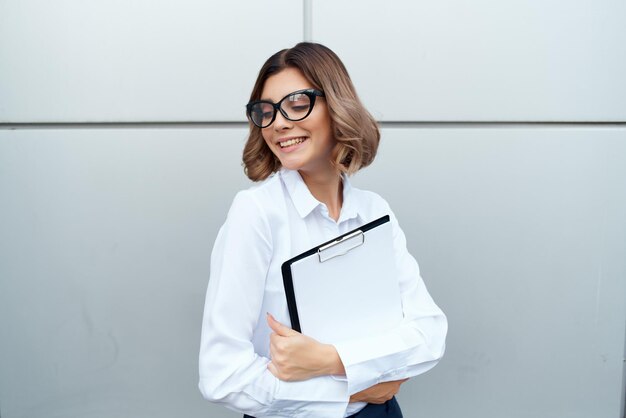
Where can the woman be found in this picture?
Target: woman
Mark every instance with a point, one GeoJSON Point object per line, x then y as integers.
{"type": "Point", "coordinates": [308, 133]}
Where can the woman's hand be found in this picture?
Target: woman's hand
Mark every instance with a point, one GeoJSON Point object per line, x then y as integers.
{"type": "Point", "coordinates": [379, 393]}
{"type": "Point", "coordinates": [298, 357]}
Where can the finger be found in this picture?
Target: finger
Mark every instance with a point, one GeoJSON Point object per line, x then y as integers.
{"type": "Point", "coordinates": [276, 326]}
{"type": "Point", "coordinates": [272, 368]}
{"type": "Point", "coordinates": [279, 328]}
{"type": "Point", "coordinates": [274, 343]}
{"type": "Point", "coordinates": [272, 349]}
{"type": "Point", "coordinates": [356, 398]}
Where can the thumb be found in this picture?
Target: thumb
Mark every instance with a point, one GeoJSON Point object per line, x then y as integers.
{"type": "Point", "coordinates": [279, 328]}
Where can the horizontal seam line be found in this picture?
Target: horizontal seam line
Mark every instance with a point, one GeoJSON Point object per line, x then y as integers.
{"type": "Point", "coordinates": [383, 124]}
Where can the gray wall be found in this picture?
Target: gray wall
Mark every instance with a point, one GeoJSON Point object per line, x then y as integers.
{"type": "Point", "coordinates": [503, 150]}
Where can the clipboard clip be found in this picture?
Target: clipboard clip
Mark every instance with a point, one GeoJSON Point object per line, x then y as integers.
{"type": "Point", "coordinates": [341, 246]}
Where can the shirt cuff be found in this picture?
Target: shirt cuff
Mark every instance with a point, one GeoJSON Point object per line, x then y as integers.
{"type": "Point", "coordinates": [371, 360]}
{"type": "Point", "coordinates": [323, 388]}
{"type": "Point", "coordinates": [362, 375]}
{"type": "Point", "coordinates": [317, 397]}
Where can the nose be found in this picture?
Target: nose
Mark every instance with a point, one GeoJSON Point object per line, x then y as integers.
{"type": "Point", "coordinates": [281, 123]}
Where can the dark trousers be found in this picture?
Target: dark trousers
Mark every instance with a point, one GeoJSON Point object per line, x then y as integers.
{"type": "Point", "coordinates": [389, 409]}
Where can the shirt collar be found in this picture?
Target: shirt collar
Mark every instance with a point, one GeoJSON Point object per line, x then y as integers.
{"type": "Point", "coordinates": [348, 208]}
{"type": "Point", "coordinates": [300, 195]}
{"type": "Point", "coordinates": [305, 202]}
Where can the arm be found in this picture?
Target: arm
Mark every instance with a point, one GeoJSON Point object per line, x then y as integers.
{"type": "Point", "coordinates": [413, 347]}
{"type": "Point", "coordinates": [379, 393]}
{"type": "Point", "coordinates": [297, 357]}
{"type": "Point", "coordinates": [231, 373]}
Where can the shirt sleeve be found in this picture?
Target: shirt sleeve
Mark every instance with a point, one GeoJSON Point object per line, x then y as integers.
{"type": "Point", "coordinates": [413, 347]}
{"type": "Point", "coordinates": [231, 373]}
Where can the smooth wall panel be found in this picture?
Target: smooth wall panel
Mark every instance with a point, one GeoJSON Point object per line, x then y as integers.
{"type": "Point", "coordinates": [141, 60]}
{"type": "Point", "coordinates": [520, 235]}
{"type": "Point", "coordinates": [104, 261]}
{"type": "Point", "coordinates": [107, 234]}
{"type": "Point", "coordinates": [481, 60]}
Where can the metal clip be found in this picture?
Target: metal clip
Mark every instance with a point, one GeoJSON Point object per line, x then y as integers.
{"type": "Point", "coordinates": [341, 246]}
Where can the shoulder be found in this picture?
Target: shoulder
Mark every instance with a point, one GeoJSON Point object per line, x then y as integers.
{"type": "Point", "coordinates": [370, 196]}
{"type": "Point", "coordinates": [257, 201]}
{"type": "Point", "coordinates": [377, 207]}
{"type": "Point", "coordinates": [370, 204]}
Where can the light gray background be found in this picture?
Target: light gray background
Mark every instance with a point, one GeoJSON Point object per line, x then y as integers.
{"type": "Point", "coordinates": [502, 154]}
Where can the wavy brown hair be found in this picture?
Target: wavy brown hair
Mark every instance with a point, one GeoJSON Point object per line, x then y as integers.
{"type": "Point", "coordinates": [354, 128]}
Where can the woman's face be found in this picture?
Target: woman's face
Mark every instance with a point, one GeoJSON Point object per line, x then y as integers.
{"type": "Point", "coordinates": [311, 139]}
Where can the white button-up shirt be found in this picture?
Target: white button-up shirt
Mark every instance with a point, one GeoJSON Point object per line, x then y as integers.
{"type": "Point", "coordinates": [266, 225]}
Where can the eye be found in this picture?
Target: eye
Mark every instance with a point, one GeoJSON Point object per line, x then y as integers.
{"type": "Point", "coordinates": [263, 110]}
{"type": "Point", "coordinates": [297, 103]}
{"type": "Point", "coordinates": [298, 97]}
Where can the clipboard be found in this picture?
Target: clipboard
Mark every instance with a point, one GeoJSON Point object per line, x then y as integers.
{"type": "Point", "coordinates": [347, 287]}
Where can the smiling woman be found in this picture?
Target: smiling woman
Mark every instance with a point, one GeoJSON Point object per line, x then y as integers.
{"type": "Point", "coordinates": [305, 145]}
{"type": "Point", "coordinates": [308, 133]}
{"type": "Point", "coordinates": [312, 67]}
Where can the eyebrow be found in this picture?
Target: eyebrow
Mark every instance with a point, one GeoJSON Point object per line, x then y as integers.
{"type": "Point", "coordinates": [270, 100]}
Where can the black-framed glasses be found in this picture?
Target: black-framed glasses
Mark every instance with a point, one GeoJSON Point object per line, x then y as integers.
{"type": "Point", "coordinates": [294, 107]}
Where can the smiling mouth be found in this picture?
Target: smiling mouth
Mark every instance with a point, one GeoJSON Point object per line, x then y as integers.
{"type": "Point", "coordinates": [291, 142]}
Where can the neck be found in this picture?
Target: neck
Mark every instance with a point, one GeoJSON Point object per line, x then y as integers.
{"type": "Point", "coordinates": [327, 188]}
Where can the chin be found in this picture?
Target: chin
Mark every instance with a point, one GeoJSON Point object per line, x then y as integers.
{"type": "Point", "coordinates": [291, 165]}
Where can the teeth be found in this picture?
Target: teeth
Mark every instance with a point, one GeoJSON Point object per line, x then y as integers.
{"type": "Point", "coordinates": [291, 142]}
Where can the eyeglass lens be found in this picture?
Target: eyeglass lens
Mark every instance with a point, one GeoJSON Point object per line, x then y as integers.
{"type": "Point", "coordinates": [294, 107]}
